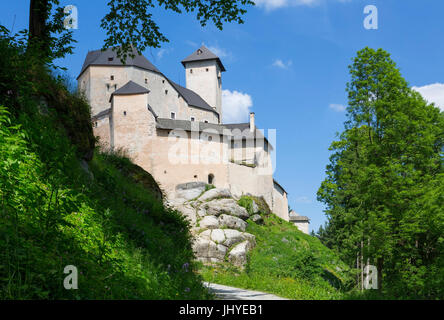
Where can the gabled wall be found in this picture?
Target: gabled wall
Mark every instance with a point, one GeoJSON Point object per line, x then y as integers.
{"type": "Point", "coordinates": [163, 97]}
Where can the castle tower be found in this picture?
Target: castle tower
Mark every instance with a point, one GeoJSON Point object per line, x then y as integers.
{"type": "Point", "coordinates": [203, 73]}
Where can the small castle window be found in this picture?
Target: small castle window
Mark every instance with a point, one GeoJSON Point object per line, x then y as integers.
{"type": "Point", "coordinates": [95, 124]}
{"type": "Point", "coordinates": [173, 115]}
{"type": "Point", "coordinates": [210, 178]}
{"type": "Point", "coordinates": [107, 86]}
{"type": "Point", "coordinates": [124, 113]}
{"type": "Point", "coordinates": [115, 87]}
{"type": "Point", "coordinates": [210, 138]}
{"type": "Point", "coordinates": [192, 119]}
{"type": "Point", "coordinates": [199, 52]}
{"type": "Point", "coordinates": [163, 81]}
{"type": "Point", "coordinates": [195, 177]}
{"type": "Point", "coordinates": [206, 121]}
{"type": "Point", "coordinates": [146, 80]}
{"type": "Point", "coordinates": [112, 77]}
{"type": "Point", "coordinates": [191, 70]}
{"type": "Point", "coordinates": [206, 69]}
{"type": "Point", "coordinates": [166, 91]}
{"type": "Point", "coordinates": [110, 58]}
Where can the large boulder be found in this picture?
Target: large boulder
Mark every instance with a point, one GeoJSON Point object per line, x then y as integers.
{"type": "Point", "coordinates": [227, 206]}
{"type": "Point", "coordinates": [218, 236]}
{"type": "Point", "coordinates": [238, 255]}
{"type": "Point", "coordinates": [190, 190]}
{"type": "Point", "coordinates": [207, 249]}
{"type": "Point", "coordinates": [209, 222]}
{"type": "Point", "coordinates": [232, 222]}
{"type": "Point", "coordinates": [216, 193]}
{"type": "Point", "coordinates": [189, 212]}
{"type": "Point", "coordinates": [232, 237]}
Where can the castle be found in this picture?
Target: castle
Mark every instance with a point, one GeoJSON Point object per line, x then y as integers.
{"type": "Point", "coordinates": [176, 133]}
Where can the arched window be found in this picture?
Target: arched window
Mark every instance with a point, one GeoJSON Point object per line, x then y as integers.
{"type": "Point", "coordinates": [210, 178]}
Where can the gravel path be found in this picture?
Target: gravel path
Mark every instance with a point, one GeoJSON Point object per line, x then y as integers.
{"type": "Point", "coordinates": [230, 293]}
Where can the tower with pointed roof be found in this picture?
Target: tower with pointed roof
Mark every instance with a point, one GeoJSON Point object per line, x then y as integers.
{"type": "Point", "coordinates": [203, 74]}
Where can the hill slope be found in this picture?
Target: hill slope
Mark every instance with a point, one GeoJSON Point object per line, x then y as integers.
{"type": "Point", "coordinates": [285, 262]}
{"type": "Point", "coordinates": [105, 217]}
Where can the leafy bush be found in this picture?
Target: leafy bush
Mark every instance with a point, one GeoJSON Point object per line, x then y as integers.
{"type": "Point", "coordinates": [247, 203]}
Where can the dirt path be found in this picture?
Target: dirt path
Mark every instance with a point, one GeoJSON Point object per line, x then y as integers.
{"type": "Point", "coordinates": [230, 293]}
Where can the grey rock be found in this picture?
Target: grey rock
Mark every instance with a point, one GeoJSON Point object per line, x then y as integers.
{"type": "Point", "coordinates": [218, 235]}
{"type": "Point", "coordinates": [285, 240]}
{"type": "Point", "coordinates": [216, 251]}
{"type": "Point", "coordinates": [227, 206]}
{"type": "Point", "coordinates": [215, 194]}
{"type": "Point", "coordinates": [232, 237]}
{"type": "Point", "coordinates": [190, 190]}
{"type": "Point", "coordinates": [209, 222]}
{"type": "Point", "coordinates": [205, 234]}
{"type": "Point", "coordinates": [257, 219]}
{"type": "Point", "coordinates": [189, 213]}
{"type": "Point", "coordinates": [232, 222]}
{"type": "Point", "coordinates": [238, 255]}
{"type": "Point", "coordinates": [255, 207]}
{"type": "Point", "coordinates": [250, 238]}
{"type": "Point", "coordinates": [201, 212]}
{"type": "Point", "coordinates": [206, 249]}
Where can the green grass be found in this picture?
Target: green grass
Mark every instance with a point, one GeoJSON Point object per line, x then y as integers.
{"type": "Point", "coordinates": [285, 262]}
{"type": "Point", "coordinates": [108, 222]}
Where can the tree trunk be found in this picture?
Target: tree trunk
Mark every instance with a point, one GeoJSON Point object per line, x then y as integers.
{"type": "Point", "coordinates": [39, 11]}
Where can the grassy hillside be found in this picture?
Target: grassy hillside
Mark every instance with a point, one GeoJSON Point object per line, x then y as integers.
{"type": "Point", "coordinates": [285, 262]}
{"type": "Point", "coordinates": [104, 217]}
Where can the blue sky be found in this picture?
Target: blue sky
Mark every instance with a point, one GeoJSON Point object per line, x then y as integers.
{"type": "Point", "coordinates": [288, 64]}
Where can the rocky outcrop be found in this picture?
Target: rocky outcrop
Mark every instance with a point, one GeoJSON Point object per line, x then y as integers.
{"type": "Point", "coordinates": [215, 194]}
{"type": "Point", "coordinates": [238, 255]}
{"type": "Point", "coordinates": [227, 206]}
{"type": "Point", "coordinates": [218, 224]}
{"type": "Point", "coordinates": [190, 190]}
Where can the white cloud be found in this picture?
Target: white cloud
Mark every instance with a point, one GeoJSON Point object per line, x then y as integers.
{"type": "Point", "coordinates": [220, 52]}
{"type": "Point", "coordinates": [337, 107]}
{"type": "Point", "coordinates": [302, 199]}
{"type": "Point", "coordinates": [191, 43]}
{"type": "Point", "coordinates": [275, 4]}
{"type": "Point", "coordinates": [160, 53]}
{"type": "Point", "coordinates": [235, 106]}
{"type": "Point", "coordinates": [433, 93]}
{"type": "Point", "coordinates": [281, 64]}
{"type": "Point", "coordinates": [270, 5]}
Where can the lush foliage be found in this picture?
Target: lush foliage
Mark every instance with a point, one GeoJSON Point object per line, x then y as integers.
{"type": "Point", "coordinates": [285, 262]}
{"type": "Point", "coordinates": [105, 218]}
{"type": "Point", "coordinates": [384, 189]}
{"type": "Point", "coordinates": [128, 24]}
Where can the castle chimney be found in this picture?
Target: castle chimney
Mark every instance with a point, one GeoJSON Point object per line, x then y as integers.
{"type": "Point", "coordinates": [252, 124]}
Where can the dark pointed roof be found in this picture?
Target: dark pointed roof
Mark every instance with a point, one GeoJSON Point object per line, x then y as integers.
{"type": "Point", "coordinates": [202, 54]}
{"type": "Point", "coordinates": [130, 88]}
{"type": "Point", "coordinates": [109, 58]}
{"type": "Point", "coordinates": [192, 98]}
